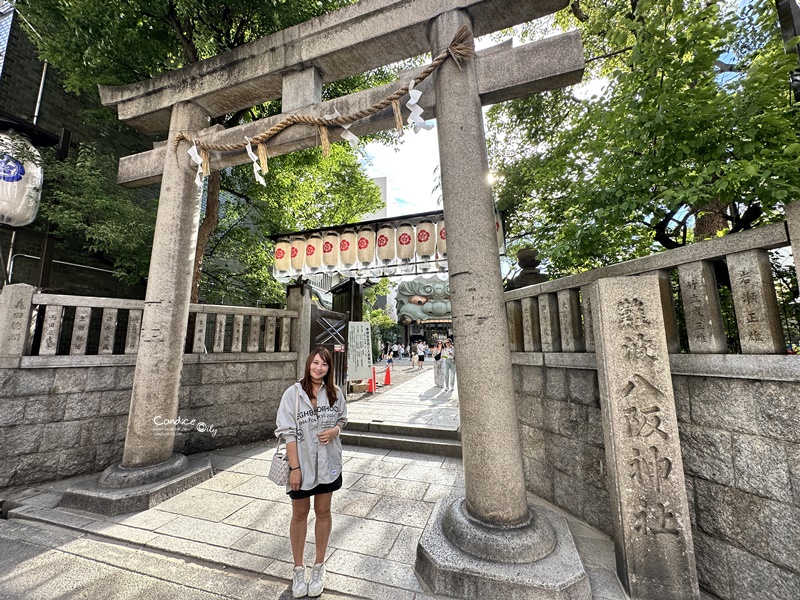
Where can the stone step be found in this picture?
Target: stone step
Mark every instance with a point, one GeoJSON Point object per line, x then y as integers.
{"type": "Point", "coordinates": [394, 441]}
{"type": "Point", "coordinates": [380, 427]}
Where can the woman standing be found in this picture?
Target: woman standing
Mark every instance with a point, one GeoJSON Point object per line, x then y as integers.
{"type": "Point", "coordinates": [421, 354]}
{"type": "Point", "coordinates": [438, 365]}
{"type": "Point", "coordinates": [449, 360]}
{"type": "Point", "coordinates": [315, 461]}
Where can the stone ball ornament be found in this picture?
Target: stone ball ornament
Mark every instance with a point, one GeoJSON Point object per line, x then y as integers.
{"type": "Point", "coordinates": [21, 180]}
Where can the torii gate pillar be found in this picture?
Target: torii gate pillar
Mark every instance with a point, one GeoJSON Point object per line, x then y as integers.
{"type": "Point", "coordinates": [475, 547]}
{"type": "Point", "coordinates": [150, 471]}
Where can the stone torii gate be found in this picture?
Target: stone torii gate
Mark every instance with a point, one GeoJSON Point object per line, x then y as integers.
{"type": "Point", "coordinates": [473, 546]}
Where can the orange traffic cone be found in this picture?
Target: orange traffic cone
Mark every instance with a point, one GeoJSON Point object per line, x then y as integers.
{"type": "Point", "coordinates": [371, 389]}
{"type": "Point", "coordinates": [387, 379]}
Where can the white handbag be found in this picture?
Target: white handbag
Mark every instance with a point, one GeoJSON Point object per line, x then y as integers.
{"type": "Point", "coordinates": [279, 468]}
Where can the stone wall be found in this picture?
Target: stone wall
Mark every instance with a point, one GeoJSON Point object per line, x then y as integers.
{"type": "Point", "coordinates": [740, 440]}
{"type": "Point", "coordinates": [58, 423]}
{"type": "Point", "coordinates": [562, 440]}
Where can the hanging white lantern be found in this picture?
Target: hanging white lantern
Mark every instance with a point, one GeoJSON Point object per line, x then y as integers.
{"type": "Point", "coordinates": [298, 256]}
{"type": "Point", "coordinates": [330, 251]}
{"type": "Point", "coordinates": [426, 244]}
{"type": "Point", "coordinates": [20, 180]}
{"type": "Point", "coordinates": [441, 239]}
{"type": "Point", "coordinates": [313, 258]}
{"type": "Point", "coordinates": [405, 246]}
{"type": "Point", "coordinates": [366, 253]}
{"type": "Point", "coordinates": [385, 243]}
{"type": "Point", "coordinates": [280, 268]}
{"type": "Point", "coordinates": [348, 247]}
{"type": "Point", "coordinates": [441, 248]}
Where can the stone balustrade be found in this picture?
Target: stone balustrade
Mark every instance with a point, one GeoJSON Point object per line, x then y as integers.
{"type": "Point", "coordinates": [677, 435]}
{"type": "Point", "coordinates": [551, 324]}
{"type": "Point", "coordinates": [51, 329]}
{"type": "Point", "coordinates": [67, 370]}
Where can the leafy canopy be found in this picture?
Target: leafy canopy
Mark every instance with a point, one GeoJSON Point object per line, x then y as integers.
{"type": "Point", "coordinates": [695, 121]}
{"type": "Point", "coordinates": [303, 191]}
{"type": "Point", "coordinates": [113, 43]}
{"type": "Point", "coordinates": [83, 200]}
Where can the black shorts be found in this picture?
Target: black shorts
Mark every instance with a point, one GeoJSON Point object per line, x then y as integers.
{"type": "Point", "coordinates": [421, 357]}
{"type": "Point", "coordinates": [322, 488]}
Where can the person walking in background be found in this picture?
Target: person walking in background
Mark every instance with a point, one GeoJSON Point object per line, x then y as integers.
{"type": "Point", "coordinates": [449, 360]}
{"type": "Point", "coordinates": [311, 416]}
{"type": "Point", "coordinates": [400, 350]}
{"type": "Point", "coordinates": [414, 355]}
{"type": "Point", "coordinates": [421, 354]}
{"type": "Point", "coordinates": [438, 365]}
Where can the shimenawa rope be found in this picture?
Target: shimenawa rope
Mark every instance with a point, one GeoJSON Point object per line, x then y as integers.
{"type": "Point", "coordinates": [460, 49]}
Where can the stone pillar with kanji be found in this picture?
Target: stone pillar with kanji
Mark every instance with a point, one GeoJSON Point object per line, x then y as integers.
{"type": "Point", "coordinates": [652, 529]}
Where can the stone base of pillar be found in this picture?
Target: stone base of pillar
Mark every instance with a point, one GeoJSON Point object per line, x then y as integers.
{"type": "Point", "coordinates": [118, 490]}
{"type": "Point", "coordinates": [450, 571]}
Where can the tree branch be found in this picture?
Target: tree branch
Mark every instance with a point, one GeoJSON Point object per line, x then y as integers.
{"type": "Point", "coordinates": [575, 7]}
{"type": "Point", "coordinates": [187, 44]}
{"type": "Point", "coordinates": [610, 54]}
{"type": "Point", "coordinates": [207, 227]}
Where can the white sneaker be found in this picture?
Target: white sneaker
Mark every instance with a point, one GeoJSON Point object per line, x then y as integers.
{"type": "Point", "coordinates": [299, 585]}
{"type": "Point", "coordinates": [317, 583]}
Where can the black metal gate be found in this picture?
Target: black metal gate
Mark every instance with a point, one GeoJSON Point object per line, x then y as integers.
{"type": "Point", "coordinates": [329, 329]}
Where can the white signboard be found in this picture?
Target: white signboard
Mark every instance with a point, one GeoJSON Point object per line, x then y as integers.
{"type": "Point", "coordinates": [359, 351]}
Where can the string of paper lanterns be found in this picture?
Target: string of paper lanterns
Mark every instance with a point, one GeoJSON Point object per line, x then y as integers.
{"type": "Point", "coordinates": [369, 251]}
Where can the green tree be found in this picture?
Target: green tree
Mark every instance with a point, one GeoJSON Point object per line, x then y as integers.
{"type": "Point", "coordinates": [84, 201]}
{"type": "Point", "coordinates": [95, 42]}
{"type": "Point", "coordinates": [303, 191]}
{"type": "Point", "coordinates": [383, 327]}
{"type": "Point", "coordinates": [694, 135]}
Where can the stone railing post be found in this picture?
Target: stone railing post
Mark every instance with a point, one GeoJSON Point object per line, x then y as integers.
{"type": "Point", "coordinates": [298, 298]}
{"type": "Point", "coordinates": [15, 318]}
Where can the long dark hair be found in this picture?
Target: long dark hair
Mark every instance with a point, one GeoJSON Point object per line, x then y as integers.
{"type": "Point", "coordinates": [327, 381]}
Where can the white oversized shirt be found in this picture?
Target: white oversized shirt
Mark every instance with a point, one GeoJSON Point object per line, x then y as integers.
{"type": "Point", "coordinates": [319, 463]}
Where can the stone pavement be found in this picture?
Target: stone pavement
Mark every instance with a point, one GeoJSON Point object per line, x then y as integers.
{"type": "Point", "coordinates": [413, 400]}
{"type": "Point", "coordinates": [228, 537]}
{"type": "Point", "coordinates": [402, 371]}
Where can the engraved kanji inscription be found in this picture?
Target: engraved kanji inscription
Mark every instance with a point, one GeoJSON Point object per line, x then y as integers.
{"type": "Point", "coordinates": [650, 469]}
{"type": "Point", "coordinates": [631, 313]}
{"type": "Point", "coordinates": [639, 348]}
{"type": "Point", "coordinates": [744, 276]}
{"type": "Point", "coordinates": [644, 422]}
{"type": "Point", "coordinates": [655, 518]}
